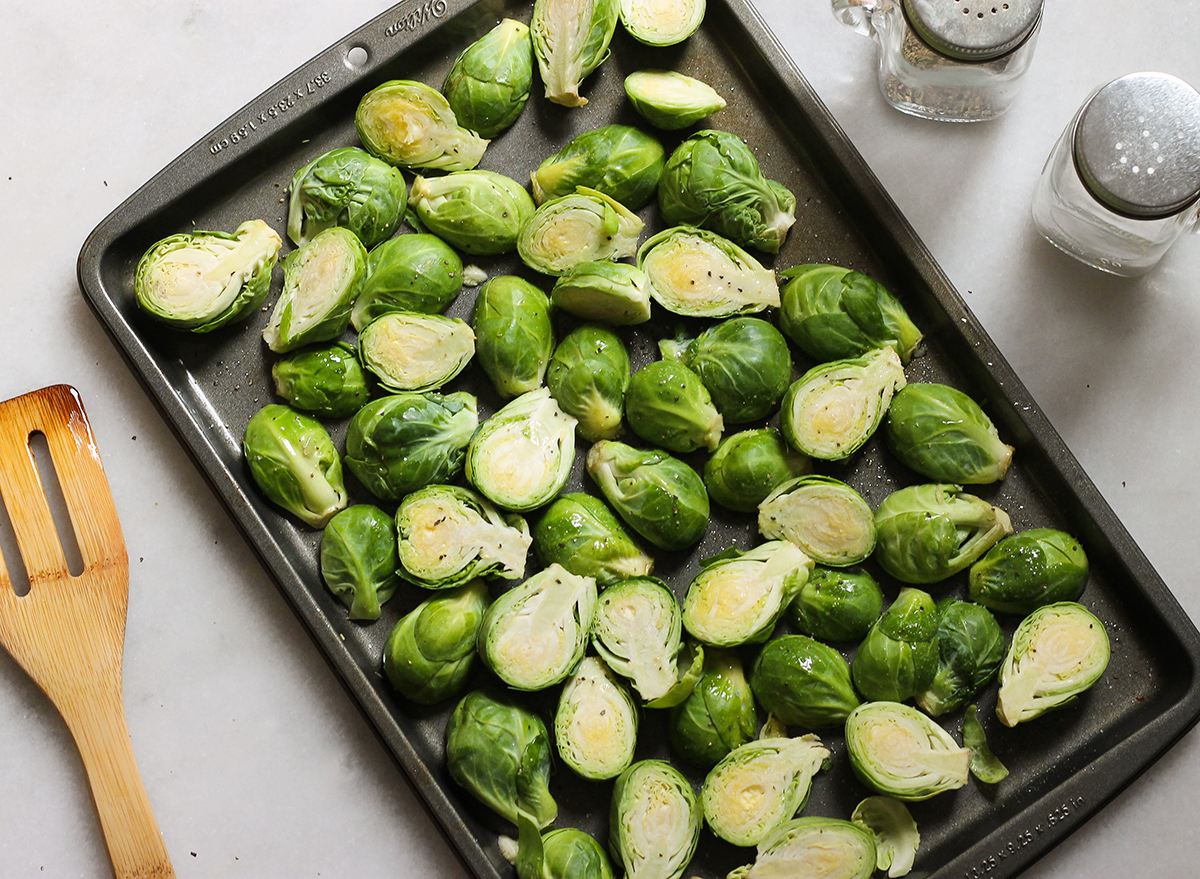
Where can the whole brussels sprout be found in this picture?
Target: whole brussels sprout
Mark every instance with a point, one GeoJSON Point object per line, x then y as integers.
{"type": "Point", "coordinates": [661, 24]}
{"type": "Point", "coordinates": [588, 375]}
{"type": "Point", "coordinates": [346, 187]}
{"type": "Point", "coordinates": [748, 466]}
{"type": "Point", "coordinates": [622, 162]}
{"type": "Point", "coordinates": [899, 657]}
{"type": "Point", "coordinates": [605, 291]}
{"type": "Point", "coordinates": [570, 39]}
{"type": "Point", "coordinates": [697, 273]}
{"type": "Point", "coordinates": [717, 716]}
{"type": "Point", "coordinates": [479, 212]}
{"type": "Point", "coordinates": [985, 765]}
{"type": "Point", "coordinates": [843, 850]}
{"type": "Point", "coordinates": [415, 272]}
{"type": "Point", "coordinates": [671, 100]}
{"type": "Point", "coordinates": [899, 752]}
{"type": "Point", "coordinates": [408, 351]}
{"type": "Point", "coordinates": [358, 559]}
{"type": "Point", "coordinates": [837, 604]}
{"type": "Point", "coordinates": [320, 280]}
{"type": "Point", "coordinates": [294, 463]}
{"type": "Point", "coordinates": [430, 654]}
{"type": "Point", "coordinates": [409, 124]}
{"type": "Point", "coordinates": [514, 339]}
{"type": "Point", "coordinates": [595, 725]}
{"type": "Point", "coordinates": [823, 516]}
{"type": "Point", "coordinates": [584, 536]}
{"type": "Point", "coordinates": [970, 649]}
{"type": "Point", "coordinates": [895, 832]}
{"type": "Point", "coordinates": [490, 81]}
{"type": "Point", "coordinates": [942, 433]}
{"type": "Point", "coordinates": [803, 682]}
{"type": "Point", "coordinates": [583, 226]}
{"type": "Point", "coordinates": [564, 853]}
{"type": "Point", "coordinates": [326, 380]}
{"type": "Point", "coordinates": [654, 821]}
{"type": "Point", "coordinates": [200, 281]}
{"type": "Point", "coordinates": [667, 404]}
{"type": "Point", "coordinates": [1027, 570]}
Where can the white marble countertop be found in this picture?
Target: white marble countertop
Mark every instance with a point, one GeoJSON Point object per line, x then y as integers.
{"type": "Point", "coordinates": [256, 760]}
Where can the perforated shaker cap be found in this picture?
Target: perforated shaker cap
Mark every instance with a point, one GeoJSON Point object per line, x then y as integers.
{"type": "Point", "coordinates": [1137, 145]}
{"type": "Point", "coordinates": [973, 30]}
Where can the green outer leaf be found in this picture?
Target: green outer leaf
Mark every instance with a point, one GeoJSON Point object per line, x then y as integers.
{"type": "Point", "coordinates": [1029, 569]}
{"type": "Point", "coordinates": [570, 40]}
{"type": "Point", "coordinates": [622, 162]}
{"type": "Point", "coordinates": [565, 853]}
{"type": "Point", "coordinates": [294, 463]}
{"type": "Point", "coordinates": [490, 81]}
{"type": "Point", "coordinates": [654, 821]}
{"type": "Point", "coordinates": [416, 272]}
{"type": "Point", "coordinates": [588, 374]}
{"type": "Point", "coordinates": [717, 716]}
{"type": "Point", "coordinates": [346, 187]}
{"type": "Point", "coordinates": [514, 339]}
{"type": "Point", "coordinates": [668, 405]}
{"type": "Point", "coordinates": [944, 435]}
{"type": "Point", "coordinates": [670, 100]}
{"type": "Point", "coordinates": [326, 380]}
{"type": "Point", "coordinates": [837, 604]}
{"type": "Point", "coordinates": [430, 653]}
{"type": "Point", "coordinates": [898, 658]}
{"type": "Point", "coordinates": [358, 559]}
{"type": "Point", "coordinates": [584, 536]}
{"type": "Point", "coordinates": [803, 682]}
{"type": "Point", "coordinates": [616, 293]}
{"type": "Point", "coordinates": [745, 365]}
{"type": "Point", "coordinates": [748, 466]}
{"type": "Point", "coordinates": [971, 647]}
{"type": "Point", "coordinates": [985, 765]}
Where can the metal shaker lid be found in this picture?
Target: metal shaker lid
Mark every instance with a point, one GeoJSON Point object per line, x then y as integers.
{"type": "Point", "coordinates": [973, 30]}
{"type": "Point", "coordinates": [1137, 145]}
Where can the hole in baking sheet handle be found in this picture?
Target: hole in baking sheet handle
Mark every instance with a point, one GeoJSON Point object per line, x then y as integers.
{"type": "Point", "coordinates": [356, 57]}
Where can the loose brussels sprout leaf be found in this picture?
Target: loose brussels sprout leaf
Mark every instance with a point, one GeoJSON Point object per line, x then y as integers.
{"type": "Point", "coordinates": [587, 376]}
{"type": "Point", "coordinates": [294, 463]}
{"type": "Point", "coordinates": [618, 160]}
{"type": "Point", "coordinates": [565, 853]}
{"type": "Point", "coordinates": [320, 281]}
{"type": "Point", "coordinates": [834, 408]}
{"type": "Point", "coordinates": [713, 180]}
{"type": "Point", "coordinates": [746, 366]}
{"type": "Point", "coordinates": [985, 765]}
{"type": "Point", "coordinates": [748, 466]}
{"type": "Point", "coordinates": [837, 604]}
{"type": "Point", "coordinates": [511, 321]}
{"type": "Point", "coordinates": [411, 125]}
{"type": "Point", "coordinates": [534, 635]}
{"type": "Point", "coordinates": [448, 535]}
{"type": "Point", "coordinates": [473, 276]}
{"type": "Point", "coordinates": [521, 457]}
{"type": "Point", "coordinates": [638, 633]}
{"type": "Point", "coordinates": [1027, 570]}
{"type": "Point", "coordinates": [1057, 652]}
{"type": "Point", "coordinates": [943, 434]}
{"type": "Point", "coordinates": [899, 657]}
{"type": "Point", "coordinates": [654, 821]}
{"type": "Point", "coordinates": [927, 533]}
{"type": "Point", "coordinates": [346, 187]}
{"type": "Point", "coordinates": [970, 650]}
{"type": "Point", "coordinates": [415, 272]}
{"type": "Point", "coordinates": [399, 443]}
{"type": "Point", "coordinates": [833, 313]}
{"type": "Point", "coordinates": [572, 229]}
{"type": "Point", "coordinates": [479, 212]}
{"type": "Point", "coordinates": [326, 380]}
{"type": "Point", "coordinates": [584, 536]}
{"type": "Point", "coordinates": [899, 752]}
{"type": "Point", "coordinates": [823, 516]}
{"type": "Point", "coordinates": [895, 832]}
{"type": "Point", "coordinates": [430, 653]}
{"type": "Point", "coordinates": [609, 292]}
{"type": "Point", "coordinates": [739, 597]}
{"type": "Point", "coordinates": [408, 351]}
{"type": "Point", "coordinates": [500, 753]}
{"type": "Point", "coordinates": [490, 81]}
{"type": "Point", "coordinates": [659, 497]}
{"type": "Point", "coordinates": [595, 726]}
{"type": "Point", "coordinates": [717, 716]}
{"type": "Point", "coordinates": [659, 23]}
{"type": "Point", "coordinates": [667, 404]}
{"type": "Point", "coordinates": [803, 682]}
{"type": "Point", "coordinates": [204, 280]}
{"type": "Point", "coordinates": [570, 40]}
{"type": "Point", "coordinates": [670, 100]}
{"type": "Point", "coordinates": [697, 273]}
{"type": "Point", "coordinates": [358, 559]}
{"type": "Point", "coordinates": [826, 847]}
{"type": "Point", "coordinates": [758, 786]}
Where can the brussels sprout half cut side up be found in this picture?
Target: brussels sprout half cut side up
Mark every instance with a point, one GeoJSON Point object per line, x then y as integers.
{"type": "Point", "coordinates": [581, 227]}
{"type": "Point", "coordinates": [671, 100]}
{"type": "Point", "coordinates": [584, 536]}
{"type": "Point", "coordinates": [514, 339]}
{"type": "Point", "coordinates": [812, 846]}
{"type": "Point", "coordinates": [346, 187]}
{"type": "Point", "coordinates": [944, 435]}
{"type": "Point", "coordinates": [899, 752]}
{"type": "Point", "coordinates": [616, 293]}
{"type": "Point", "coordinates": [1029, 569]}
{"type": "Point", "coordinates": [294, 463]}
{"type": "Point", "coordinates": [661, 24]}
{"type": "Point", "coordinates": [479, 212]}
{"type": "Point", "coordinates": [837, 604]}
{"type": "Point", "coordinates": [718, 714]}
{"type": "Point", "coordinates": [326, 380]}
{"type": "Point", "coordinates": [623, 162]}
{"type": "Point", "coordinates": [588, 375]}
{"type": "Point", "coordinates": [899, 657]}
{"type": "Point", "coordinates": [570, 40]}
{"type": "Point", "coordinates": [411, 125]}
{"type": "Point", "coordinates": [407, 351]}
{"type": "Point", "coordinates": [895, 832]}
{"type": "Point", "coordinates": [654, 821]}
{"type": "Point", "coordinates": [823, 516]}
{"type": "Point", "coordinates": [803, 682]}
{"type": "Point", "coordinates": [970, 649]}
{"type": "Point", "coordinates": [667, 404]}
{"type": "Point", "coordinates": [490, 81]}
{"type": "Point", "coordinates": [697, 273]}
{"type": "Point", "coordinates": [595, 725]}
{"type": "Point", "coordinates": [416, 272]}
{"type": "Point", "coordinates": [358, 559]}
{"type": "Point", "coordinates": [748, 466]}
{"type": "Point", "coordinates": [320, 281]}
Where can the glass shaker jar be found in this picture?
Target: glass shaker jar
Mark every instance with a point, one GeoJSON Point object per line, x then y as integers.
{"type": "Point", "coordinates": [1123, 181]}
{"type": "Point", "coordinates": [950, 60]}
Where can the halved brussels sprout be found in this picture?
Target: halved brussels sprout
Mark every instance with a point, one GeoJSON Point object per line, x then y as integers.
{"type": "Point", "coordinates": [899, 752]}
{"type": "Point", "coordinates": [899, 657]}
{"type": "Point", "coordinates": [895, 832]}
{"type": "Point", "coordinates": [985, 765]}
{"type": "Point", "coordinates": [320, 281]}
{"type": "Point", "coordinates": [605, 291]}
{"type": "Point", "coordinates": [521, 457]}
{"type": "Point", "coordinates": [409, 124]}
{"type": "Point", "coordinates": [837, 604]}
{"type": "Point", "coordinates": [346, 187]}
{"type": "Point", "coordinates": [654, 821]}
{"type": "Point", "coordinates": [739, 596]}
{"type": "Point", "coordinates": [448, 535]}
{"type": "Point", "coordinates": [697, 273]}
{"type": "Point", "coordinates": [927, 533]}
{"type": "Point", "coordinates": [671, 100]}
{"type": "Point", "coordinates": [416, 272]}
{"type": "Point", "coordinates": [1057, 652]}
{"type": "Point", "coordinates": [358, 559]}
{"type": "Point", "coordinates": [490, 81]}
{"type": "Point", "coordinates": [581, 227]}
{"type": "Point", "coordinates": [430, 654]}
{"type": "Point", "coordinates": [1029, 569]}
{"type": "Point", "coordinates": [203, 280]}
{"type": "Point", "coordinates": [834, 408]}
{"type": "Point", "coordinates": [823, 516]}
{"type": "Point", "coordinates": [748, 466]}
{"type": "Point", "coordinates": [479, 212]}
{"type": "Point", "coordinates": [944, 435]}
{"type": "Point", "coordinates": [534, 635]}
{"type": "Point", "coordinates": [659, 23]}
{"type": "Point", "coordinates": [565, 853]}
{"type": "Point", "coordinates": [514, 339]}
{"type": "Point", "coordinates": [717, 716]}
{"type": "Point", "coordinates": [583, 535]}
{"type": "Point", "coordinates": [408, 351]}
{"type": "Point", "coordinates": [588, 376]}
{"type": "Point", "coordinates": [294, 463]}
{"type": "Point", "coordinates": [803, 682]}
{"type": "Point", "coordinates": [326, 380]}
{"type": "Point", "coordinates": [667, 404]}
{"type": "Point", "coordinates": [570, 40]}
{"type": "Point", "coordinates": [826, 847]}
{"type": "Point", "coordinates": [622, 162]}
{"type": "Point", "coordinates": [970, 649]}
{"type": "Point", "coordinates": [595, 726]}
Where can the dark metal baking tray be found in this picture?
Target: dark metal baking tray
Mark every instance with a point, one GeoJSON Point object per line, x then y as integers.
{"type": "Point", "coordinates": [1064, 766]}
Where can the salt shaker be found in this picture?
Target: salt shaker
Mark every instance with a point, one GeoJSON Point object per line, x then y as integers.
{"type": "Point", "coordinates": [950, 60]}
{"type": "Point", "coordinates": [1123, 181]}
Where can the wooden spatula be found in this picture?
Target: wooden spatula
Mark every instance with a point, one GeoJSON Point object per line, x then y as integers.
{"type": "Point", "coordinates": [68, 631]}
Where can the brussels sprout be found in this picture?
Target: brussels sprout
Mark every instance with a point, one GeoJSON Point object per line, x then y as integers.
{"type": "Point", "coordinates": [899, 657]}
{"type": "Point", "coordinates": [622, 162]}
{"type": "Point", "coordinates": [1027, 570]}
{"type": "Point", "coordinates": [927, 533]}
{"type": "Point", "coordinates": [697, 273]}
{"type": "Point", "coordinates": [204, 280]}
{"type": "Point", "coordinates": [430, 653]}
{"type": "Point", "coordinates": [837, 604]}
{"type": "Point", "coordinates": [713, 180]}
{"type": "Point", "coordinates": [294, 463]}
{"type": "Point", "coordinates": [588, 375]}
{"type": "Point", "coordinates": [595, 726]}
{"type": "Point", "coordinates": [346, 187]}
{"type": "Point", "coordinates": [408, 351]}
{"type": "Point", "coordinates": [833, 313]}
{"type": "Point", "coordinates": [511, 321]}
{"type": "Point", "coordinates": [943, 434]}
{"type": "Point", "coordinates": [565, 853]}
{"type": "Point", "coordinates": [759, 785]}
{"type": "Point", "coordinates": [717, 716]}
{"type": "Point", "coordinates": [834, 408]}
{"type": "Point", "coordinates": [602, 290]}
{"type": "Point", "coordinates": [895, 832]}
{"type": "Point", "coordinates": [826, 847]}
{"type": "Point", "coordinates": [899, 752]}
{"type": "Point", "coordinates": [581, 533]}
{"type": "Point", "coordinates": [984, 764]}
{"type": "Point", "coordinates": [671, 100]}
{"type": "Point", "coordinates": [748, 466]}
{"type": "Point", "coordinates": [411, 125]}
{"type": "Point", "coordinates": [490, 81]}
{"type": "Point", "coordinates": [448, 535]}
{"type": "Point", "coordinates": [521, 457]}
{"type": "Point", "coordinates": [570, 40]}
{"type": "Point", "coordinates": [572, 229]}
{"type": "Point", "coordinates": [358, 559]}
{"type": "Point", "coordinates": [739, 596]}
{"type": "Point", "coordinates": [399, 443]}
{"type": "Point", "coordinates": [661, 24]}
{"type": "Point", "coordinates": [477, 211]}
{"type": "Point", "coordinates": [500, 753]}
{"type": "Point", "coordinates": [326, 380]}
{"type": "Point", "coordinates": [659, 497]}
{"type": "Point", "coordinates": [667, 404]}
{"type": "Point", "coordinates": [970, 649]}
{"type": "Point", "coordinates": [1057, 652]}
{"type": "Point", "coordinates": [823, 516]}
{"type": "Point", "coordinates": [320, 281]}
{"type": "Point", "coordinates": [654, 821]}
{"type": "Point", "coordinates": [415, 272]}
{"type": "Point", "coordinates": [803, 682]}
{"type": "Point", "coordinates": [534, 635]}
